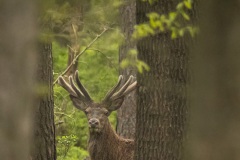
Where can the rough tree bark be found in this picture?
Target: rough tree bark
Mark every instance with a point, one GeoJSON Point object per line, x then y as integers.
{"type": "Point", "coordinates": [17, 68]}
{"type": "Point", "coordinates": [215, 131]}
{"type": "Point", "coordinates": [161, 101]}
{"type": "Point", "coordinates": [126, 115]}
{"type": "Point", "coordinates": [44, 130]}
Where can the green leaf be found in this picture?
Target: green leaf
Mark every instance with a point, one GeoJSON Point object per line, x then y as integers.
{"type": "Point", "coordinates": [140, 69]}
{"type": "Point", "coordinates": [188, 4]}
{"type": "Point", "coordinates": [174, 34]}
{"type": "Point", "coordinates": [190, 1]}
{"type": "Point", "coordinates": [153, 19]}
{"type": "Point", "coordinates": [133, 52]}
{"type": "Point", "coordinates": [181, 32]}
{"type": "Point", "coordinates": [124, 63]}
{"type": "Point", "coordinates": [153, 23]}
{"type": "Point", "coordinates": [160, 26]}
{"type": "Point", "coordinates": [145, 66]}
{"type": "Point", "coordinates": [185, 16]}
{"type": "Point", "coordinates": [141, 65]}
{"type": "Point", "coordinates": [193, 30]}
{"type": "Point", "coordinates": [153, 15]}
{"type": "Point", "coordinates": [180, 6]}
{"type": "Point", "coordinates": [172, 16]}
{"type": "Point", "coordinates": [147, 29]}
{"type": "Point", "coordinates": [163, 18]}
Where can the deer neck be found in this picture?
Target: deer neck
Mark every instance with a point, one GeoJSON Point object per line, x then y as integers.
{"type": "Point", "coordinates": [102, 145]}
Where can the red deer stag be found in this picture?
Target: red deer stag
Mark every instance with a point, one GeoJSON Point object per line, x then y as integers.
{"type": "Point", "coordinates": [103, 143]}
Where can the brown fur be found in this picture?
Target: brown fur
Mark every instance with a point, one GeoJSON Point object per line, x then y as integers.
{"type": "Point", "coordinates": [104, 143]}
{"type": "Point", "coordinates": [107, 145]}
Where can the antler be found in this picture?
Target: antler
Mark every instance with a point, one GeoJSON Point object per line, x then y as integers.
{"type": "Point", "coordinates": [124, 90]}
{"type": "Point", "coordinates": [79, 92]}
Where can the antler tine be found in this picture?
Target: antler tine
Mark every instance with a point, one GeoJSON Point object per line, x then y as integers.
{"type": "Point", "coordinates": [130, 88]}
{"type": "Point", "coordinates": [81, 87]}
{"type": "Point", "coordinates": [66, 86]}
{"type": "Point", "coordinates": [122, 90]}
{"type": "Point", "coordinates": [113, 90]}
{"type": "Point", "coordinates": [80, 95]}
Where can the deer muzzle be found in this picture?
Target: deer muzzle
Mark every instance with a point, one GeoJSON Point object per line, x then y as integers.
{"type": "Point", "coordinates": [93, 123]}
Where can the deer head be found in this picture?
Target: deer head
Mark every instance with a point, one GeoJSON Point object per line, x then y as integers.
{"type": "Point", "coordinates": [97, 113]}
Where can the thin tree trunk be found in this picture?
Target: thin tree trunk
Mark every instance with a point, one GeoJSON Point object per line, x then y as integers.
{"type": "Point", "coordinates": [71, 56]}
{"type": "Point", "coordinates": [74, 41]}
{"type": "Point", "coordinates": [44, 129]}
{"type": "Point", "coordinates": [73, 46]}
{"type": "Point", "coordinates": [126, 115]}
{"type": "Point", "coordinates": [17, 68]}
{"type": "Point", "coordinates": [215, 131]}
{"type": "Point", "coordinates": [161, 101]}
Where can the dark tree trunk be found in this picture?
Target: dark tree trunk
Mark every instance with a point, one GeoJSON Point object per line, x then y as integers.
{"type": "Point", "coordinates": [126, 115]}
{"type": "Point", "coordinates": [215, 131]}
{"type": "Point", "coordinates": [44, 129]}
{"type": "Point", "coordinates": [17, 68]}
{"type": "Point", "coordinates": [161, 101]}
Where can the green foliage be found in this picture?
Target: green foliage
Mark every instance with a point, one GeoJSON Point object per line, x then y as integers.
{"type": "Point", "coordinates": [133, 61]}
{"type": "Point", "coordinates": [77, 22]}
{"type": "Point", "coordinates": [61, 19]}
{"type": "Point", "coordinates": [76, 153]}
{"type": "Point", "coordinates": [98, 71]}
{"type": "Point", "coordinates": [66, 23]}
{"type": "Point", "coordinates": [173, 22]}
{"type": "Point", "coordinates": [64, 144]}
{"type": "Point", "coordinates": [176, 22]}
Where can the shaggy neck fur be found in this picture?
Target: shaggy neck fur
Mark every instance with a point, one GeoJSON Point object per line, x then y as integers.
{"type": "Point", "coordinates": [107, 145]}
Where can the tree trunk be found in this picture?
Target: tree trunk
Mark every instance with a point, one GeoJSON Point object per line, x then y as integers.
{"type": "Point", "coordinates": [126, 115]}
{"type": "Point", "coordinates": [74, 44]}
{"type": "Point", "coordinates": [161, 101]}
{"type": "Point", "coordinates": [17, 68]}
{"type": "Point", "coordinates": [215, 131]}
{"type": "Point", "coordinates": [44, 129]}
{"type": "Point", "coordinates": [71, 55]}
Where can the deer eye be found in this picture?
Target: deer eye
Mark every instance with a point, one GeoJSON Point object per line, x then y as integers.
{"type": "Point", "coordinates": [106, 113]}
{"type": "Point", "coordinates": [86, 111]}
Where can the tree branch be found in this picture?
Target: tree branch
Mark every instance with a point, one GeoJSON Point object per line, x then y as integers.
{"type": "Point", "coordinates": [74, 60]}
{"type": "Point", "coordinates": [109, 59]}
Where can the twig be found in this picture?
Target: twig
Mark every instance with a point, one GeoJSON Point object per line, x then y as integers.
{"type": "Point", "coordinates": [75, 33]}
{"type": "Point", "coordinates": [59, 122]}
{"type": "Point", "coordinates": [99, 52]}
{"type": "Point", "coordinates": [108, 58]}
{"type": "Point", "coordinates": [73, 61]}
{"type": "Point", "coordinates": [75, 51]}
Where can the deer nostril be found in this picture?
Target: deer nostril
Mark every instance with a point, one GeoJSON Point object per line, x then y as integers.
{"type": "Point", "coordinates": [93, 122]}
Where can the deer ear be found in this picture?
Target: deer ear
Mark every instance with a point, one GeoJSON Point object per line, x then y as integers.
{"type": "Point", "coordinates": [78, 103]}
{"type": "Point", "coordinates": [116, 104]}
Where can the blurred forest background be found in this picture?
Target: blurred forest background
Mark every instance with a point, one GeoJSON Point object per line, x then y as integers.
{"type": "Point", "coordinates": [72, 25]}
{"type": "Point", "coordinates": [95, 33]}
